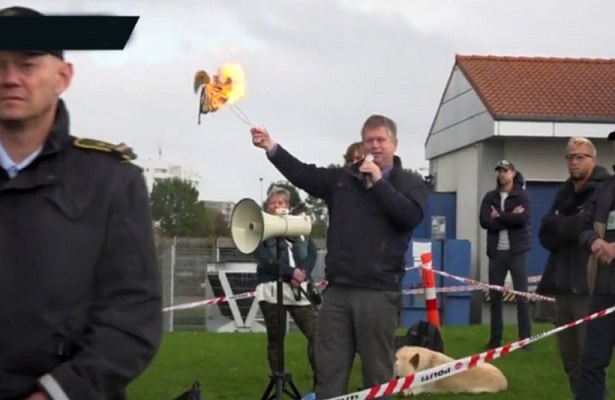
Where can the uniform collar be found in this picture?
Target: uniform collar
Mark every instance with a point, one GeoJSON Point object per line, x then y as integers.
{"type": "Point", "coordinates": [59, 136]}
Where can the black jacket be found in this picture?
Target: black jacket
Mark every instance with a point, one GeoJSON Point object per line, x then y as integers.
{"type": "Point", "coordinates": [369, 229]}
{"type": "Point", "coordinates": [566, 268]}
{"type": "Point", "coordinates": [595, 224]}
{"type": "Point", "coordinates": [518, 225]}
{"type": "Point", "coordinates": [80, 288]}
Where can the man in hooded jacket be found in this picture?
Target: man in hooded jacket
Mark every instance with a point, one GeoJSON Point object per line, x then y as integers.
{"type": "Point", "coordinates": [505, 215]}
{"type": "Point", "coordinates": [565, 274]}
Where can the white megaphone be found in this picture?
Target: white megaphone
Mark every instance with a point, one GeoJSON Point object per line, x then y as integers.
{"type": "Point", "coordinates": [250, 225]}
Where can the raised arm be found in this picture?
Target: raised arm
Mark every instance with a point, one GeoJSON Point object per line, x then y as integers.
{"type": "Point", "coordinates": [317, 181]}
{"type": "Point", "coordinates": [126, 320]}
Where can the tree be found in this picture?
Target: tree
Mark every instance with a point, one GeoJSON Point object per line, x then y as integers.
{"type": "Point", "coordinates": [177, 210]}
{"type": "Point", "coordinates": [414, 172]}
{"type": "Point", "coordinates": [217, 225]}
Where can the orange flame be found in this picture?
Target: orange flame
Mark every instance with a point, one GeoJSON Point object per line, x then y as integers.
{"type": "Point", "coordinates": [226, 87]}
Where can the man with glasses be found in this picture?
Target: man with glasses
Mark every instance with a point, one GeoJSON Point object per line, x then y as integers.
{"type": "Point", "coordinates": [565, 276]}
{"type": "Point", "coordinates": [505, 215]}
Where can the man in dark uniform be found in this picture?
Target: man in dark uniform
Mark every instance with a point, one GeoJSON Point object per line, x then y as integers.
{"type": "Point", "coordinates": [80, 290]}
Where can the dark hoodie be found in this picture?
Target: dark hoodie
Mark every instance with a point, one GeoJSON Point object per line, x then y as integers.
{"type": "Point", "coordinates": [518, 225]}
{"type": "Point", "coordinates": [566, 268]}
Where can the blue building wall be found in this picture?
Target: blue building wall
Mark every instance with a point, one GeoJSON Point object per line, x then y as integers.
{"type": "Point", "coordinates": [444, 203]}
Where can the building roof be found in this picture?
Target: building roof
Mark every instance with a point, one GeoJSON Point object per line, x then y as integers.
{"type": "Point", "coordinates": [541, 88]}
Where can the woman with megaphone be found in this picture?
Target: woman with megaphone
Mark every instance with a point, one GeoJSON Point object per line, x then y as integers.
{"type": "Point", "coordinates": [297, 258]}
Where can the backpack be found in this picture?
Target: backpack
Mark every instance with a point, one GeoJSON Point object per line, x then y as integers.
{"type": "Point", "coordinates": [194, 393]}
{"type": "Point", "coordinates": [422, 334]}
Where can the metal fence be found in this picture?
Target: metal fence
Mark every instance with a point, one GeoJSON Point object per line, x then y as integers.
{"type": "Point", "coordinates": [195, 269]}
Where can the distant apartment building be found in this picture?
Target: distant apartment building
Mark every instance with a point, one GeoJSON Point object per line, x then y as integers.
{"type": "Point", "coordinates": [157, 169]}
{"type": "Point", "coordinates": [225, 207]}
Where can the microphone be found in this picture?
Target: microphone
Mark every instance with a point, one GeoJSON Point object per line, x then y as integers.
{"type": "Point", "coordinates": [366, 177]}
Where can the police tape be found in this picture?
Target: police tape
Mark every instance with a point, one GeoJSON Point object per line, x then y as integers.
{"type": "Point", "coordinates": [457, 366]}
{"type": "Point", "coordinates": [240, 296]}
{"type": "Point", "coordinates": [503, 289]}
{"type": "Point", "coordinates": [471, 286]}
{"type": "Point", "coordinates": [221, 299]}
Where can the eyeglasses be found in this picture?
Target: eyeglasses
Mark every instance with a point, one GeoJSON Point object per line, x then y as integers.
{"type": "Point", "coordinates": [577, 156]}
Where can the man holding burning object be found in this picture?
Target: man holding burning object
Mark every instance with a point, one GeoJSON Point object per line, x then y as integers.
{"type": "Point", "coordinates": [374, 207]}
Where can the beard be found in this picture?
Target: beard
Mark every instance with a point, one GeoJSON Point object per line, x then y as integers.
{"type": "Point", "coordinates": [578, 176]}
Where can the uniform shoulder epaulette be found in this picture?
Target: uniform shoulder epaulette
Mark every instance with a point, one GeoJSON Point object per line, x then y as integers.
{"type": "Point", "coordinates": [122, 151]}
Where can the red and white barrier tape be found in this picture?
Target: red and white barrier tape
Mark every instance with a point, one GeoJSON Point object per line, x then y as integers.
{"type": "Point", "coordinates": [503, 289]}
{"type": "Point", "coordinates": [460, 365]}
{"type": "Point", "coordinates": [449, 289]}
{"type": "Point", "coordinates": [240, 296]}
{"type": "Point", "coordinates": [471, 286]}
{"type": "Point", "coordinates": [221, 299]}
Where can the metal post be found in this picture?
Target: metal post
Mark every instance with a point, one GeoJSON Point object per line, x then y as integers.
{"type": "Point", "coordinates": [172, 290]}
{"type": "Point", "coordinates": [261, 183]}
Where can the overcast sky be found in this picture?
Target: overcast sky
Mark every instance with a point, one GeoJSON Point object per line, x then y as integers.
{"type": "Point", "coordinates": [315, 69]}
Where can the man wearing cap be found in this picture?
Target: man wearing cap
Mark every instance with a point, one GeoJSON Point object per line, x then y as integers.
{"type": "Point", "coordinates": [505, 215]}
{"type": "Point", "coordinates": [80, 290]}
{"type": "Point", "coordinates": [598, 239]}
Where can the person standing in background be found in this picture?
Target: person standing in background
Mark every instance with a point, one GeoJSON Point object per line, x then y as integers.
{"type": "Point", "coordinates": [565, 275]}
{"type": "Point", "coordinates": [505, 215]}
{"type": "Point", "coordinates": [298, 259]}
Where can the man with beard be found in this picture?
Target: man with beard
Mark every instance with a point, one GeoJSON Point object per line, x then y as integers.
{"type": "Point", "coordinates": [565, 275]}
{"type": "Point", "coordinates": [505, 215]}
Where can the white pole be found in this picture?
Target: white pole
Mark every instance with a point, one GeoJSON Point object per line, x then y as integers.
{"type": "Point", "coordinates": [172, 290]}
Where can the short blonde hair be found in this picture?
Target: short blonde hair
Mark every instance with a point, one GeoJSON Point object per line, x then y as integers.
{"type": "Point", "coordinates": [582, 141]}
{"type": "Point", "coordinates": [277, 191]}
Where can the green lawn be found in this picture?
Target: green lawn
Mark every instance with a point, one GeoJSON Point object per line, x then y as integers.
{"type": "Point", "coordinates": [233, 366]}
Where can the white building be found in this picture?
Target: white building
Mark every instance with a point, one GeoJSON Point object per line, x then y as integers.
{"type": "Point", "coordinates": [524, 110]}
{"type": "Point", "coordinates": [156, 169]}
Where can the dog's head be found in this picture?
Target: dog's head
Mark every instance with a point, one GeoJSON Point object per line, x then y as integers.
{"type": "Point", "coordinates": [408, 361]}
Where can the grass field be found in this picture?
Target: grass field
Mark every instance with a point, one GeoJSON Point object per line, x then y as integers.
{"type": "Point", "coordinates": [233, 366]}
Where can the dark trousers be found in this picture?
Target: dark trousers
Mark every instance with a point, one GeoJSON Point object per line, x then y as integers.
{"type": "Point", "coordinates": [304, 317]}
{"type": "Point", "coordinates": [597, 352]}
{"type": "Point", "coordinates": [570, 341]}
{"type": "Point", "coordinates": [499, 265]}
{"type": "Point", "coordinates": [351, 320]}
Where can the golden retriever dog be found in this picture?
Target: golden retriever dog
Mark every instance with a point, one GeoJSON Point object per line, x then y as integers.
{"type": "Point", "coordinates": [484, 378]}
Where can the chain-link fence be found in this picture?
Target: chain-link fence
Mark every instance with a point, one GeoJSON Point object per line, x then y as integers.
{"type": "Point", "coordinates": [198, 269]}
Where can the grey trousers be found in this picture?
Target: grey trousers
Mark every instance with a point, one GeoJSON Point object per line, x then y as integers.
{"type": "Point", "coordinates": [351, 320]}
{"type": "Point", "coordinates": [570, 341]}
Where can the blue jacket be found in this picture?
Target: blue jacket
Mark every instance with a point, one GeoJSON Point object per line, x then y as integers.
{"type": "Point", "coordinates": [304, 255]}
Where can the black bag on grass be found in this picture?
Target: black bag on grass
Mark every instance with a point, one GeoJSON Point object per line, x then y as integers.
{"type": "Point", "coordinates": [422, 334]}
{"type": "Point", "coordinates": [194, 393]}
